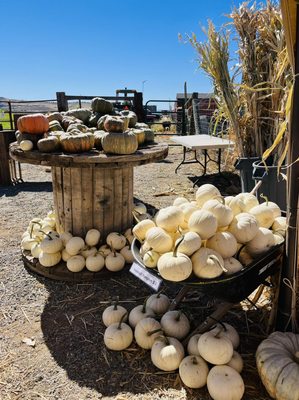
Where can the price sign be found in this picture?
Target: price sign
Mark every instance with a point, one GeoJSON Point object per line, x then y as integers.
{"type": "Point", "coordinates": [145, 276]}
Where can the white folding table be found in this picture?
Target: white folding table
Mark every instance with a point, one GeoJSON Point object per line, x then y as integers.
{"type": "Point", "coordinates": [203, 143]}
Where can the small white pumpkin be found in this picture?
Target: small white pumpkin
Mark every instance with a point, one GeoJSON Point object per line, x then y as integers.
{"type": "Point", "coordinates": [140, 208]}
{"type": "Point", "coordinates": [236, 362]}
{"type": "Point", "coordinates": [225, 383]}
{"type": "Point", "coordinates": [146, 331]}
{"type": "Point", "coordinates": [278, 239]}
{"type": "Point", "coordinates": [175, 324]}
{"type": "Point", "coordinates": [88, 251]}
{"type": "Point", "coordinates": [207, 263]}
{"type": "Point", "coordinates": [248, 201]}
{"type": "Point", "coordinates": [232, 265]}
{"type": "Point", "coordinates": [95, 262]}
{"type": "Point", "coordinates": [118, 336]}
{"type": "Point", "coordinates": [51, 244]}
{"type": "Point", "coordinates": [280, 226]}
{"type": "Point", "coordinates": [204, 223]}
{"type": "Point", "coordinates": [244, 227]}
{"type": "Point", "coordinates": [65, 237]}
{"type": "Point", "coordinates": [129, 235]}
{"type": "Point", "coordinates": [49, 259]}
{"type": "Point", "coordinates": [75, 263]}
{"type": "Point", "coordinates": [244, 257]}
{"type": "Point", "coordinates": [92, 237]}
{"type": "Point", "coordinates": [48, 221]}
{"type": "Point", "coordinates": [169, 218]}
{"type": "Point", "coordinates": [113, 314]}
{"type": "Point", "coordinates": [180, 200]}
{"type": "Point", "coordinates": [65, 255]}
{"type": "Point", "coordinates": [262, 242]}
{"type": "Point", "coordinates": [235, 204]}
{"type": "Point", "coordinates": [275, 209]}
{"type": "Point", "coordinates": [222, 212]}
{"type": "Point", "coordinates": [158, 302]}
{"type": "Point", "coordinates": [105, 250]}
{"type": "Point", "coordinates": [145, 247]}
{"type": "Point", "coordinates": [188, 209]}
{"type": "Point", "coordinates": [206, 192]}
{"type": "Point", "coordinates": [36, 250]}
{"type": "Point", "coordinates": [150, 259]}
{"type": "Point", "coordinates": [115, 262]}
{"type": "Point", "coordinates": [263, 214]}
{"type": "Point", "coordinates": [116, 240]}
{"type": "Point", "coordinates": [193, 371]}
{"type": "Point", "coordinates": [74, 245]}
{"type": "Point", "coordinates": [127, 254]}
{"type": "Point", "coordinates": [190, 244]}
{"type": "Point", "coordinates": [228, 331]}
{"type": "Point", "coordinates": [167, 353]}
{"type": "Point", "coordinates": [138, 313]}
{"type": "Point", "coordinates": [26, 145]}
{"type": "Point", "coordinates": [214, 348]}
{"type": "Point", "coordinates": [224, 243]}
{"type": "Point", "coordinates": [159, 240]}
{"type": "Point", "coordinates": [192, 347]}
{"type": "Point", "coordinates": [140, 229]}
{"type": "Point", "coordinates": [28, 242]}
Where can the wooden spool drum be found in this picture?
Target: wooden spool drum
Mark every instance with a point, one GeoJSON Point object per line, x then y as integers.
{"type": "Point", "coordinates": [86, 198]}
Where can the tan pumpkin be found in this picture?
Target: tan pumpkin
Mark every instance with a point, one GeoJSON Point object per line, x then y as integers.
{"type": "Point", "coordinates": [49, 144]}
{"type": "Point", "coordinates": [175, 324]}
{"type": "Point", "coordinates": [77, 142]}
{"type": "Point", "coordinates": [120, 143]}
{"type": "Point", "coordinates": [225, 383]}
{"type": "Point", "coordinates": [277, 360]}
{"type": "Point", "coordinates": [158, 302]}
{"type": "Point", "coordinates": [214, 348]}
{"type": "Point", "coordinates": [146, 331]}
{"type": "Point", "coordinates": [114, 124]}
{"type": "Point", "coordinates": [140, 135]}
{"type": "Point", "coordinates": [33, 123]}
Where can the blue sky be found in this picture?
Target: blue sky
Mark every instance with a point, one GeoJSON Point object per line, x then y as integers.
{"type": "Point", "coordinates": [94, 47]}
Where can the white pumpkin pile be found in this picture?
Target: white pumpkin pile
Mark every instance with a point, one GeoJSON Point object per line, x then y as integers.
{"type": "Point", "coordinates": [204, 236]}
{"type": "Point", "coordinates": [50, 247]}
{"type": "Point", "coordinates": [212, 356]}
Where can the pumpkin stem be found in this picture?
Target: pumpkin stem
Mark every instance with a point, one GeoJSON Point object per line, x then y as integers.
{"type": "Point", "coordinates": [122, 320]}
{"type": "Point", "coordinates": [143, 310]}
{"type": "Point", "coordinates": [219, 322]}
{"type": "Point", "coordinates": [49, 236]}
{"type": "Point", "coordinates": [159, 293]}
{"type": "Point", "coordinates": [221, 198]}
{"type": "Point", "coordinates": [194, 360]}
{"type": "Point", "coordinates": [218, 262]}
{"type": "Point", "coordinates": [154, 331]}
{"type": "Point", "coordinates": [135, 216]}
{"type": "Point", "coordinates": [178, 317]}
{"type": "Point", "coordinates": [239, 252]}
{"type": "Point", "coordinates": [265, 198]}
{"type": "Point", "coordinates": [31, 231]}
{"type": "Point", "coordinates": [163, 338]}
{"type": "Point", "coordinates": [177, 245]}
{"type": "Point", "coordinates": [150, 256]}
{"type": "Point", "coordinates": [115, 304]}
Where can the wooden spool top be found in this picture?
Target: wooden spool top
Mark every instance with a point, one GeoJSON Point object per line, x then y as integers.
{"type": "Point", "coordinates": [94, 158]}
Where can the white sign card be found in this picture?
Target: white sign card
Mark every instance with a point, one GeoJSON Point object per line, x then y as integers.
{"type": "Point", "coordinates": [145, 276]}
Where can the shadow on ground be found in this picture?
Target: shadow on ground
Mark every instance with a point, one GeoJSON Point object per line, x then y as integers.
{"type": "Point", "coordinates": [227, 182]}
{"type": "Point", "coordinates": [14, 190]}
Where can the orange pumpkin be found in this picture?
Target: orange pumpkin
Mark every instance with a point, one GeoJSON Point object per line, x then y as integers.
{"type": "Point", "coordinates": [33, 123]}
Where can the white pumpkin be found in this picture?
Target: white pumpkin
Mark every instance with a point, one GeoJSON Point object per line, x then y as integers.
{"type": "Point", "coordinates": [116, 240]}
{"type": "Point", "coordinates": [113, 314]}
{"type": "Point", "coordinates": [146, 331]}
{"type": "Point", "coordinates": [115, 262]}
{"type": "Point", "coordinates": [278, 239]}
{"type": "Point", "coordinates": [232, 265]}
{"type": "Point", "coordinates": [170, 218]}
{"type": "Point", "coordinates": [26, 145]}
{"type": "Point", "coordinates": [263, 214]}
{"type": "Point", "coordinates": [207, 263]}
{"type": "Point", "coordinates": [224, 243]}
{"type": "Point", "coordinates": [28, 242]}
{"type": "Point", "coordinates": [167, 353]}
{"type": "Point", "coordinates": [225, 383]}
{"type": "Point", "coordinates": [145, 247]}
{"type": "Point", "coordinates": [75, 263]}
{"type": "Point", "coordinates": [159, 240]}
{"type": "Point", "coordinates": [105, 250]}
{"type": "Point", "coordinates": [174, 266]}
{"type": "Point", "coordinates": [36, 250]}
{"type": "Point", "coordinates": [65, 255]}
{"type": "Point", "coordinates": [150, 259]}
{"type": "Point", "coordinates": [215, 349]}
{"type": "Point", "coordinates": [275, 208]}
{"type": "Point", "coordinates": [88, 251]}
{"type": "Point", "coordinates": [262, 242]}
{"type": "Point", "coordinates": [204, 223]}
{"type": "Point", "coordinates": [191, 242]}
{"type": "Point", "coordinates": [244, 257]}
{"type": "Point", "coordinates": [51, 244]}
{"type": "Point", "coordinates": [248, 201]}
{"type": "Point", "coordinates": [235, 204]}
{"type": "Point", "coordinates": [92, 237]}
{"type": "Point", "coordinates": [65, 237]}
{"type": "Point", "coordinates": [140, 208]}
{"type": "Point", "coordinates": [244, 227]}
{"type": "Point", "coordinates": [280, 226]}
{"type": "Point", "coordinates": [180, 200]}
{"type": "Point", "coordinates": [127, 254]}
{"type": "Point", "coordinates": [129, 235]}
{"type": "Point", "coordinates": [49, 259]}
{"type": "Point", "coordinates": [138, 313]}
{"type": "Point", "coordinates": [118, 336]}
{"type": "Point", "coordinates": [277, 360]}
{"type": "Point", "coordinates": [222, 212]}
{"type": "Point", "coordinates": [175, 324]}
{"type": "Point", "coordinates": [140, 229]}
{"type": "Point", "coordinates": [74, 245]}
{"type": "Point", "coordinates": [193, 371]}
{"type": "Point", "coordinates": [206, 192]}
{"type": "Point", "coordinates": [48, 221]}
{"type": "Point", "coordinates": [192, 347]}
{"type": "Point", "coordinates": [228, 331]}
{"type": "Point", "coordinates": [158, 302]}
{"type": "Point", "coordinates": [236, 362]}
{"type": "Point", "coordinates": [188, 209]}
{"type": "Point", "coordinates": [95, 262]}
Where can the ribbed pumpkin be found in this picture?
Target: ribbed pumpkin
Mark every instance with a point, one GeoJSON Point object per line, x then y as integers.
{"type": "Point", "coordinates": [49, 144]}
{"type": "Point", "coordinates": [33, 123]}
{"type": "Point", "coordinates": [101, 105]}
{"type": "Point", "coordinates": [76, 142]}
{"type": "Point", "coordinates": [132, 117]}
{"type": "Point", "coordinates": [114, 124]}
{"type": "Point", "coordinates": [120, 143]}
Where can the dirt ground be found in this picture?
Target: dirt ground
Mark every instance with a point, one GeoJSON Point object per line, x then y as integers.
{"type": "Point", "coordinates": [51, 341]}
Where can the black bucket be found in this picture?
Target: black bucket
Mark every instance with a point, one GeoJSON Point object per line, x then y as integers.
{"type": "Point", "coordinates": [273, 186]}
{"type": "Point", "coordinates": [244, 165]}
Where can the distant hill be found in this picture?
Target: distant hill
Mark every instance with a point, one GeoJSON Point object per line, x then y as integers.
{"type": "Point", "coordinates": [18, 106]}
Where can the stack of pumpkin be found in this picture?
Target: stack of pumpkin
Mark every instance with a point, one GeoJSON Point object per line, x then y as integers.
{"type": "Point", "coordinates": [209, 236]}
{"type": "Point", "coordinates": [44, 243]}
{"type": "Point", "coordinates": [212, 358]}
{"type": "Point", "coordinates": [80, 130]}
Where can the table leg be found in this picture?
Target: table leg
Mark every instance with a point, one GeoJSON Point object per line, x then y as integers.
{"type": "Point", "coordinates": [184, 158]}
{"type": "Point", "coordinates": [219, 160]}
{"type": "Point", "coordinates": [195, 160]}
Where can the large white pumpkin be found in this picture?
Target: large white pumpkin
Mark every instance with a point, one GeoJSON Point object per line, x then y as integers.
{"type": "Point", "coordinates": [225, 383]}
{"type": "Point", "coordinates": [262, 242]}
{"type": "Point", "coordinates": [214, 348]}
{"type": "Point", "coordinates": [207, 263]}
{"type": "Point", "coordinates": [170, 218]}
{"type": "Point", "coordinates": [205, 193]}
{"type": "Point", "coordinates": [174, 266]}
{"type": "Point", "coordinates": [244, 227]}
{"type": "Point", "coordinates": [224, 243]}
{"type": "Point", "coordinates": [263, 214]}
{"type": "Point", "coordinates": [191, 242]}
{"type": "Point", "coordinates": [204, 223]}
{"type": "Point", "coordinates": [140, 229]}
{"type": "Point", "coordinates": [159, 240]}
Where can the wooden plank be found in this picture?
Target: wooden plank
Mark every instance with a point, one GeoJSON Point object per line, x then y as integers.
{"type": "Point", "coordinates": [109, 201]}
{"type": "Point", "coordinates": [127, 199]}
{"type": "Point", "coordinates": [118, 198]}
{"type": "Point", "coordinates": [76, 190]}
{"type": "Point", "coordinates": [58, 194]}
{"type": "Point", "coordinates": [5, 178]}
{"type": "Point", "coordinates": [87, 198]}
{"type": "Point", "coordinates": [131, 196]}
{"type": "Point", "coordinates": [98, 200]}
{"type": "Point", "coordinates": [67, 200]}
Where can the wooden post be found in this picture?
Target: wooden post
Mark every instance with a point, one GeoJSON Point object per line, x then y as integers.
{"type": "Point", "coordinates": [6, 137]}
{"type": "Point", "coordinates": [196, 124]}
{"type": "Point", "coordinates": [138, 106]}
{"type": "Point", "coordinates": [62, 103]}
